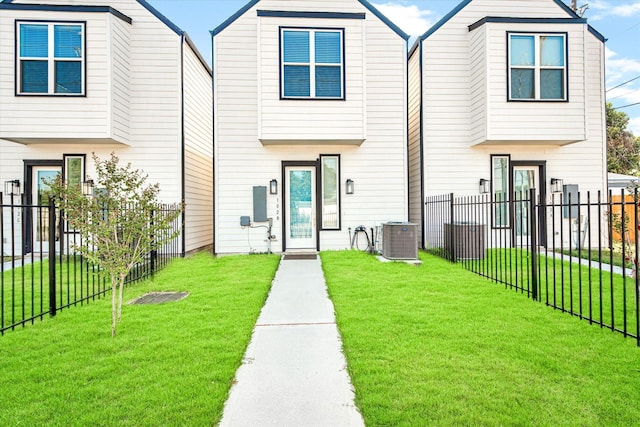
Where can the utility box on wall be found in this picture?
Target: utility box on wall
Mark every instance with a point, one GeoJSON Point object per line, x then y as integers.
{"type": "Point", "coordinates": [260, 204]}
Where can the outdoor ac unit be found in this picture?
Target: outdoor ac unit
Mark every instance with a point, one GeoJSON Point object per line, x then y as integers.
{"type": "Point", "coordinates": [399, 240]}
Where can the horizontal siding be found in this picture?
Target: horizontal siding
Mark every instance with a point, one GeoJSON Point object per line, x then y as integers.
{"type": "Point", "coordinates": [414, 149]}
{"type": "Point", "coordinates": [198, 133]}
{"type": "Point", "coordinates": [59, 117]}
{"type": "Point", "coordinates": [478, 100]}
{"type": "Point", "coordinates": [527, 120]}
{"type": "Point", "coordinates": [120, 77]}
{"type": "Point", "coordinates": [296, 119]}
{"type": "Point", "coordinates": [151, 123]}
{"type": "Point", "coordinates": [453, 103]}
{"type": "Point", "coordinates": [246, 93]}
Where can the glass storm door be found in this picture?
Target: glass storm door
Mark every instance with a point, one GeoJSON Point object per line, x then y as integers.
{"type": "Point", "coordinates": [40, 200]}
{"type": "Point", "coordinates": [300, 220]}
{"type": "Point", "coordinates": [524, 179]}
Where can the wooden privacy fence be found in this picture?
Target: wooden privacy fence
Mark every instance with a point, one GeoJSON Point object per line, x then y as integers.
{"type": "Point", "coordinates": [624, 203]}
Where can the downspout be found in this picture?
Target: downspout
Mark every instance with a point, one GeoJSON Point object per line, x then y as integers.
{"type": "Point", "coordinates": [182, 145]}
{"type": "Point", "coordinates": [213, 145]}
{"type": "Point", "coordinates": [406, 106]}
{"type": "Point", "coordinates": [421, 144]}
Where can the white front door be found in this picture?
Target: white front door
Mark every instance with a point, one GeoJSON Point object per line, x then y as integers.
{"type": "Point", "coordinates": [40, 214]}
{"type": "Point", "coordinates": [300, 218]}
{"type": "Point", "coordinates": [524, 179]}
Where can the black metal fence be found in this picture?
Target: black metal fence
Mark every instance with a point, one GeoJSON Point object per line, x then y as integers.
{"type": "Point", "coordinates": [41, 272]}
{"type": "Point", "coordinates": [577, 256]}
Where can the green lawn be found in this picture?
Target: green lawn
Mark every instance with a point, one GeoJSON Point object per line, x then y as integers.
{"type": "Point", "coordinates": [439, 345]}
{"type": "Point", "coordinates": [588, 292]}
{"type": "Point", "coordinates": [170, 364]}
{"type": "Point", "coordinates": [25, 289]}
{"type": "Point", "coordinates": [606, 255]}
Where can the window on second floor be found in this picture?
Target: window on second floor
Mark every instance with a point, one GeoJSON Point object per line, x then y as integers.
{"type": "Point", "coordinates": [312, 63]}
{"type": "Point", "coordinates": [50, 58]}
{"type": "Point", "coordinates": [537, 67]}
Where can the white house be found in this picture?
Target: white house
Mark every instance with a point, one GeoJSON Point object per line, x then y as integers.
{"type": "Point", "coordinates": [310, 128]}
{"type": "Point", "coordinates": [98, 76]}
{"type": "Point", "coordinates": [507, 91]}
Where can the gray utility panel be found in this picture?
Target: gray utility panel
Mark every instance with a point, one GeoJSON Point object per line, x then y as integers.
{"type": "Point", "coordinates": [260, 203]}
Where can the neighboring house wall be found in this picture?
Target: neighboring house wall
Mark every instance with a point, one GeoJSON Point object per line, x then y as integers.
{"type": "Point", "coordinates": [198, 151]}
{"type": "Point", "coordinates": [133, 105]}
{"type": "Point", "coordinates": [255, 131]}
{"type": "Point", "coordinates": [467, 118]}
{"type": "Point", "coordinates": [416, 195]}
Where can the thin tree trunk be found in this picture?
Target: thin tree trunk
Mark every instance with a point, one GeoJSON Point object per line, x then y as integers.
{"type": "Point", "coordinates": [120, 296]}
{"type": "Point", "coordinates": [113, 306]}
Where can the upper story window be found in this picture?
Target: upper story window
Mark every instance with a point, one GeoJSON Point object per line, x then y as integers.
{"type": "Point", "coordinates": [537, 67]}
{"type": "Point", "coordinates": [312, 63]}
{"type": "Point", "coordinates": [50, 58]}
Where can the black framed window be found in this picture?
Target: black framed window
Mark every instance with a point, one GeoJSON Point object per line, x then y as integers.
{"type": "Point", "coordinates": [330, 188]}
{"type": "Point", "coordinates": [50, 58]}
{"type": "Point", "coordinates": [537, 67]}
{"type": "Point", "coordinates": [312, 63]}
{"type": "Point", "coordinates": [500, 190]}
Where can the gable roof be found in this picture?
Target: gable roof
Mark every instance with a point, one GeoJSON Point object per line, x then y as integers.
{"type": "Point", "coordinates": [364, 3]}
{"type": "Point", "coordinates": [574, 17]}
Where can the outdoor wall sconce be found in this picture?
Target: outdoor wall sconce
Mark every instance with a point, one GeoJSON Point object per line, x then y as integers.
{"type": "Point", "coordinates": [273, 187]}
{"type": "Point", "coordinates": [556, 185]}
{"type": "Point", "coordinates": [87, 187]}
{"type": "Point", "coordinates": [12, 187]}
{"type": "Point", "coordinates": [484, 186]}
{"type": "Point", "coordinates": [350, 188]}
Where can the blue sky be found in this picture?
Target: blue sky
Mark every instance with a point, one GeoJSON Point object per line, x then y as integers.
{"type": "Point", "coordinates": [616, 20]}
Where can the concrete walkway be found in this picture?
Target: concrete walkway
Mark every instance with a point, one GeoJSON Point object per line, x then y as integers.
{"type": "Point", "coordinates": [294, 372]}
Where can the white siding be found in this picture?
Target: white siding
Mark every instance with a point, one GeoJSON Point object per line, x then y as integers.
{"type": "Point", "coordinates": [455, 115]}
{"type": "Point", "coordinates": [478, 48]}
{"type": "Point", "coordinates": [120, 76]}
{"type": "Point", "coordinates": [198, 143]}
{"type": "Point", "coordinates": [154, 95]}
{"type": "Point", "coordinates": [243, 82]}
{"type": "Point", "coordinates": [134, 79]}
{"type": "Point", "coordinates": [300, 120]}
{"type": "Point", "coordinates": [544, 122]}
{"type": "Point", "coordinates": [416, 206]}
{"type": "Point", "coordinates": [38, 117]}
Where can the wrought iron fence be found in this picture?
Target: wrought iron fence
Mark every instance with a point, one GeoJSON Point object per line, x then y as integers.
{"type": "Point", "coordinates": [578, 256]}
{"type": "Point", "coordinates": [42, 273]}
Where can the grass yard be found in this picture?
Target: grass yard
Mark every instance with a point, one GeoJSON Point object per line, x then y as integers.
{"type": "Point", "coordinates": [604, 255]}
{"type": "Point", "coordinates": [438, 345]}
{"type": "Point", "coordinates": [588, 292]}
{"type": "Point", "coordinates": [170, 364]}
{"type": "Point", "coordinates": [24, 291]}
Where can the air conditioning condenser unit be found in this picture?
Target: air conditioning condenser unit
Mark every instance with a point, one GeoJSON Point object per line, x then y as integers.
{"type": "Point", "coordinates": [399, 240]}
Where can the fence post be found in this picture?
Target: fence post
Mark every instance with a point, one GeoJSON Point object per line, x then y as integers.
{"type": "Point", "coordinates": [52, 257]}
{"type": "Point", "coordinates": [452, 228]}
{"type": "Point", "coordinates": [154, 252]}
{"type": "Point", "coordinates": [533, 243]}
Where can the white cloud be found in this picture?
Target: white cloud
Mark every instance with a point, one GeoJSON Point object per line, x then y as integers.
{"type": "Point", "coordinates": [410, 18]}
{"type": "Point", "coordinates": [599, 9]}
{"type": "Point", "coordinates": [634, 126]}
{"type": "Point", "coordinates": [626, 10]}
{"type": "Point", "coordinates": [620, 68]}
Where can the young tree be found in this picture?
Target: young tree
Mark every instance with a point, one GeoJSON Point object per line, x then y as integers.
{"type": "Point", "coordinates": [623, 148]}
{"type": "Point", "coordinates": [119, 224]}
